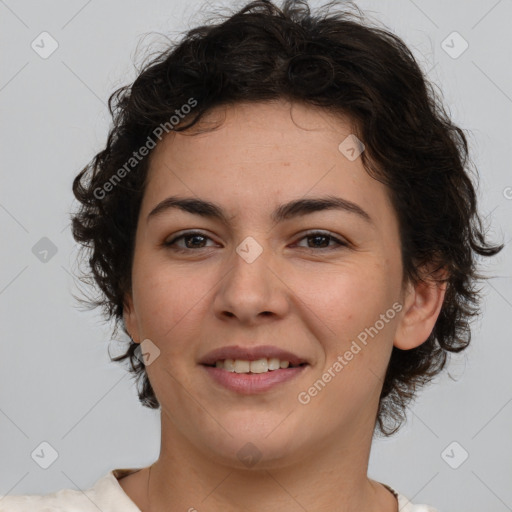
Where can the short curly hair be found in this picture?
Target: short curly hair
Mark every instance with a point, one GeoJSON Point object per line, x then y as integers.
{"type": "Point", "coordinates": [333, 60]}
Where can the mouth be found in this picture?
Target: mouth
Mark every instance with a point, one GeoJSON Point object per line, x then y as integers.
{"type": "Point", "coordinates": [252, 370]}
{"type": "Point", "coordinates": [263, 365]}
{"type": "Point", "coordinates": [253, 383]}
{"type": "Point", "coordinates": [252, 359]}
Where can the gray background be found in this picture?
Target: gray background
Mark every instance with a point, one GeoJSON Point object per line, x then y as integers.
{"type": "Point", "coordinates": [57, 384]}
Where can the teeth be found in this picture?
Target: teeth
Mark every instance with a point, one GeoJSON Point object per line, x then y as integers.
{"type": "Point", "coordinates": [242, 366]}
{"type": "Point", "coordinates": [259, 366]}
{"type": "Point", "coordinates": [273, 364]}
{"type": "Point", "coordinates": [229, 365]}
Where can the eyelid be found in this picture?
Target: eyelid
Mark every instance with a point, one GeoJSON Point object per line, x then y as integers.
{"type": "Point", "coordinates": [340, 241]}
{"type": "Point", "coordinates": [185, 233]}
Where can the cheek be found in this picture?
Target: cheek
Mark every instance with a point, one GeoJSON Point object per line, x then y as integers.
{"type": "Point", "coordinates": [351, 298]}
{"type": "Point", "coordinates": [358, 309]}
{"type": "Point", "coordinates": [168, 300]}
{"type": "Point", "coordinates": [357, 306]}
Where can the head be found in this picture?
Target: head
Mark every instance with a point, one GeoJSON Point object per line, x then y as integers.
{"type": "Point", "coordinates": [267, 107]}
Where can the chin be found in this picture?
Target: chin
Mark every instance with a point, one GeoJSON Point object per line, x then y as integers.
{"type": "Point", "coordinates": [258, 445]}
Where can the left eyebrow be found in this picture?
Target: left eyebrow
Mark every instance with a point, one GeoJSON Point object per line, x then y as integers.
{"type": "Point", "coordinates": [286, 211]}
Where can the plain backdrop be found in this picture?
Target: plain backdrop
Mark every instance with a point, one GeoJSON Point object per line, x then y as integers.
{"type": "Point", "coordinates": [57, 385]}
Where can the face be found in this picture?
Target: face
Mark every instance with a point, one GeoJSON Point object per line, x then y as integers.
{"type": "Point", "coordinates": [322, 284]}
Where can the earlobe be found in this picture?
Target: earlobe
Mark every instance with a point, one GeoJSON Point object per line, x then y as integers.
{"type": "Point", "coordinates": [129, 318]}
{"type": "Point", "coordinates": [422, 305]}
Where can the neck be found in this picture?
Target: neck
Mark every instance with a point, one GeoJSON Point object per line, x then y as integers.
{"type": "Point", "coordinates": [333, 476]}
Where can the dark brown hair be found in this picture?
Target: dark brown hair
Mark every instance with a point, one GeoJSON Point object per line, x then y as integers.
{"type": "Point", "coordinates": [334, 60]}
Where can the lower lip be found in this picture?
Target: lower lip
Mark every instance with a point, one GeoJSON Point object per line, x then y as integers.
{"type": "Point", "coordinates": [252, 383]}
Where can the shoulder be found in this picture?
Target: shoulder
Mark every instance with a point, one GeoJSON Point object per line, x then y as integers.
{"type": "Point", "coordinates": [65, 499]}
{"type": "Point", "coordinates": [405, 505]}
{"type": "Point", "coordinates": [106, 495]}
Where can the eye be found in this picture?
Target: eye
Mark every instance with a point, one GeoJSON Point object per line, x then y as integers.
{"type": "Point", "coordinates": [323, 238]}
{"type": "Point", "coordinates": [197, 240]}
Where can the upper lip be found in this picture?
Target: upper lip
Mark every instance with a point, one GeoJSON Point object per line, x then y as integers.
{"type": "Point", "coordinates": [250, 354]}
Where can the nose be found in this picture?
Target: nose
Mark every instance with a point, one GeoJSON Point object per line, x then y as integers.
{"type": "Point", "coordinates": [252, 291]}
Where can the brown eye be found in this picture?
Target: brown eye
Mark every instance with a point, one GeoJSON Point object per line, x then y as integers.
{"type": "Point", "coordinates": [193, 240]}
{"type": "Point", "coordinates": [321, 240]}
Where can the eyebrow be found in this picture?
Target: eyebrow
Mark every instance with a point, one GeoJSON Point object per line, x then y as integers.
{"type": "Point", "coordinates": [286, 211]}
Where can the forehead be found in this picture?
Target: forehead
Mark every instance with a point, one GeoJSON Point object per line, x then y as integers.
{"type": "Point", "coordinates": [262, 154]}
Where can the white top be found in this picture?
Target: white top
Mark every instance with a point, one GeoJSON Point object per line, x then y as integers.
{"type": "Point", "coordinates": [107, 495]}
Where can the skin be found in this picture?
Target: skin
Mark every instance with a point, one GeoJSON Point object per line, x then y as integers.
{"type": "Point", "coordinates": [295, 295]}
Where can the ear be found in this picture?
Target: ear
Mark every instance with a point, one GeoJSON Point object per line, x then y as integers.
{"type": "Point", "coordinates": [422, 305]}
{"type": "Point", "coordinates": [130, 319]}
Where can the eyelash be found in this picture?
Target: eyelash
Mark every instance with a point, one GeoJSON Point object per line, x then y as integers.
{"type": "Point", "coordinates": [188, 234]}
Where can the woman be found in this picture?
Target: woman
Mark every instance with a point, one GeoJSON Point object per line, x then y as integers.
{"type": "Point", "coordinates": [283, 223]}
